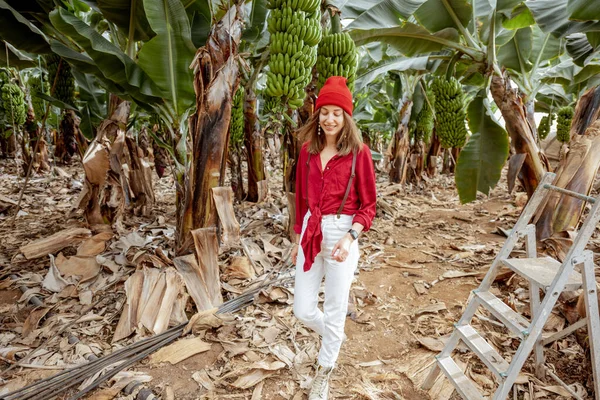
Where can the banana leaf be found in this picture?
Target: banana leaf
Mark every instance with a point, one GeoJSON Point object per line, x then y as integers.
{"type": "Point", "coordinates": [436, 15]}
{"type": "Point", "coordinates": [553, 16]}
{"type": "Point", "coordinates": [255, 26]}
{"type": "Point", "coordinates": [166, 58]}
{"type": "Point", "coordinates": [365, 77]}
{"type": "Point", "coordinates": [579, 47]}
{"type": "Point", "coordinates": [111, 61]}
{"type": "Point", "coordinates": [119, 12]}
{"type": "Point", "coordinates": [516, 53]}
{"type": "Point", "coordinates": [410, 39]}
{"type": "Point", "coordinates": [480, 162]}
{"type": "Point", "coordinates": [16, 58]}
{"type": "Point", "coordinates": [200, 18]}
{"type": "Point", "coordinates": [385, 14]}
{"type": "Point", "coordinates": [21, 33]}
{"type": "Point", "coordinates": [583, 10]}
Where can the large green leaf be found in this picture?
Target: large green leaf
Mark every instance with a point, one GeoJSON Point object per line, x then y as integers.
{"type": "Point", "coordinates": [386, 14]}
{"type": "Point", "coordinates": [201, 20]}
{"type": "Point", "coordinates": [167, 56]}
{"type": "Point", "coordinates": [122, 13]}
{"type": "Point", "coordinates": [545, 46]}
{"type": "Point", "coordinates": [436, 15]}
{"type": "Point", "coordinates": [16, 58]}
{"type": "Point", "coordinates": [594, 39]}
{"type": "Point", "coordinates": [580, 49]}
{"type": "Point", "coordinates": [90, 93]}
{"type": "Point", "coordinates": [365, 77]}
{"type": "Point", "coordinates": [553, 16]}
{"type": "Point", "coordinates": [587, 72]}
{"type": "Point", "coordinates": [353, 8]}
{"type": "Point", "coordinates": [111, 62]}
{"type": "Point", "coordinates": [256, 26]}
{"type": "Point", "coordinates": [521, 17]}
{"type": "Point", "coordinates": [584, 10]}
{"type": "Point", "coordinates": [517, 52]}
{"type": "Point", "coordinates": [18, 31]}
{"type": "Point", "coordinates": [480, 162]}
{"type": "Point", "coordinates": [411, 39]}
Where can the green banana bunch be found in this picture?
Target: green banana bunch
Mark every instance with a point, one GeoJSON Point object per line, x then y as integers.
{"type": "Point", "coordinates": [64, 90]}
{"type": "Point", "coordinates": [424, 121]}
{"type": "Point", "coordinates": [563, 124]}
{"type": "Point", "coordinates": [337, 56]}
{"type": "Point", "coordinates": [545, 124]}
{"type": "Point", "coordinates": [39, 85]}
{"type": "Point", "coordinates": [295, 31]}
{"type": "Point", "coordinates": [309, 6]}
{"type": "Point", "coordinates": [449, 112]}
{"type": "Point", "coordinates": [236, 126]}
{"type": "Point", "coordinates": [13, 104]}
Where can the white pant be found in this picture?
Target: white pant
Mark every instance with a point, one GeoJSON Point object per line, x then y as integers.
{"type": "Point", "coordinates": [338, 278]}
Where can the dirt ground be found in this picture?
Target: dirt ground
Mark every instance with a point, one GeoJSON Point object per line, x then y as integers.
{"type": "Point", "coordinates": [406, 296]}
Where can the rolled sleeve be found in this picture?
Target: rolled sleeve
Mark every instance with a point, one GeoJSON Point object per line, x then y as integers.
{"type": "Point", "coordinates": [366, 188]}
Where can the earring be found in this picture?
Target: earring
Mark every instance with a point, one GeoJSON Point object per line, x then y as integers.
{"type": "Point", "coordinates": [319, 130]}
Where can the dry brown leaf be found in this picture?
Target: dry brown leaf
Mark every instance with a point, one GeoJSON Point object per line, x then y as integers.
{"type": "Point", "coordinates": [252, 378]}
{"type": "Point", "coordinates": [430, 343]}
{"type": "Point", "coordinates": [92, 246]}
{"type": "Point", "coordinates": [53, 281]}
{"type": "Point", "coordinates": [85, 268]}
{"type": "Point", "coordinates": [179, 351]}
{"type": "Point", "coordinates": [201, 377]}
{"type": "Point", "coordinates": [54, 243]}
{"type": "Point", "coordinates": [432, 308]}
{"type": "Point", "coordinates": [205, 320]}
{"type": "Point", "coordinates": [240, 268]}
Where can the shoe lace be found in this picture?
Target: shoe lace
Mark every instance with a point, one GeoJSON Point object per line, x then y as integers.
{"type": "Point", "coordinates": [320, 382]}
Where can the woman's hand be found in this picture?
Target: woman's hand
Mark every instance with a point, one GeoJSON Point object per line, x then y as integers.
{"type": "Point", "coordinates": [342, 248]}
{"type": "Point", "coordinates": [294, 254]}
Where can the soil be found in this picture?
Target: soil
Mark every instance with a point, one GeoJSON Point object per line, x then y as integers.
{"type": "Point", "coordinates": [381, 357]}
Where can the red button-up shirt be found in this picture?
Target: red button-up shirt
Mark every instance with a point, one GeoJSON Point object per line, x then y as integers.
{"type": "Point", "coordinates": [326, 189]}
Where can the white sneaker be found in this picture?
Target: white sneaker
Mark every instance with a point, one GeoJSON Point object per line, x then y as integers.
{"type": "Point", "coordinates": [320, 385]}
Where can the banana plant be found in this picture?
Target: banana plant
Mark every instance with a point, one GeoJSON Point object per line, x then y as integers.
{"type": "Point", "coordinates": [503, 41]}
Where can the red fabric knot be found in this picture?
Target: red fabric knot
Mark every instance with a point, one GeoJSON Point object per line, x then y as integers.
{"type": "Point", "coordinates": [311, 241]}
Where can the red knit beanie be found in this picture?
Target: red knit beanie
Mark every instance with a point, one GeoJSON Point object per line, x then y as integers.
{"type": "Point", "coordinates": [335, 93]}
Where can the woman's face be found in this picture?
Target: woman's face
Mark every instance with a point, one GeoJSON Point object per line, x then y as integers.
{"type": "Point", "coordinates": [331, 119]}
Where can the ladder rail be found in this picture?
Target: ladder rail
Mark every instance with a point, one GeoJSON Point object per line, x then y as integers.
{"type": "Point", "coordinates": [521, 224]}
{"type": "Point", "coordinates": [535, 329]}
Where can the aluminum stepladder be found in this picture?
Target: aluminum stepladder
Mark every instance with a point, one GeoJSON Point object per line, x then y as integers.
{"type": "Point", "coordinates": [542, 273]}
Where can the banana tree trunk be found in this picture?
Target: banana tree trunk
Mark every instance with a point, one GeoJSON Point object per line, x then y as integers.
{"type": "Point", "coordinates": [117, 171]}
{"type": "Point", "coordinates": [578, 171]}
{"type": "Point", "coordinates": [432, 155]}
{"type": "Point", "coordinates": [8, 143]}
{"type": "Point", "coordinates": [525, 163]}
{"type": "Point", "coordinates": [68, 131]}
{"type": "Point", "coordinates": [237, 181]}
{"type": "Point", "coordinates": [253, 141]}
{"type": "Point", "coordinates": [216, 70]}
{"type": "Point", "coordinates": [417, 161]}
{"type": "Point", "coordinates": [401, 145]}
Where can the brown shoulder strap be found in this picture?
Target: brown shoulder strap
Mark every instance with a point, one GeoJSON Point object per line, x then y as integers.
{"type": "Point", "coordinates": [352, 174]}
{"type": "Point", "coordinates": [306, 181]}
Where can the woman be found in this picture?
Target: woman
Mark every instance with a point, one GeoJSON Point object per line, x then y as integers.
{"type": "Point", "coordinates": [335, 202]}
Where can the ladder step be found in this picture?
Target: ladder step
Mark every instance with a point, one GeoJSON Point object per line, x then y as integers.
{"type": "Point", "coordinates": [542, 271]}
{"type": "Point", "coordinates": [464, 386]}
{"type": "Point", "coordinates": [494, 361]}
{"type": "Point", "coordinates": [513, 320]}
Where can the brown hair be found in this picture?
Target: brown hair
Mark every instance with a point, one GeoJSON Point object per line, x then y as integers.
{"type": "Point", "coordinates": [349, 139]}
